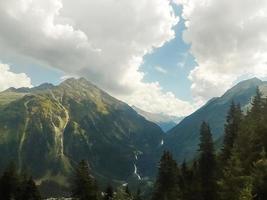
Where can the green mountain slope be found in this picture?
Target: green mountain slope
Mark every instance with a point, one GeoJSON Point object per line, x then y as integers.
{"type": "Point", "coordinates": [183, 139]}
{"type": "Point", "coordinates": [48, 129]}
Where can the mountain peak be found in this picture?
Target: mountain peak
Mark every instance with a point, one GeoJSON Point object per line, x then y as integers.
{"type": "Point", "coordinates": [18, 90]}
{"type": "Point", "coordinates": [43, 86]}
{"type": "Point", "coordinates": [254, 80]}
{"type": "Point", "coordinates": [78, 84]}
{"type": "Point", "coordinates": [11, 89]}
{"type": "Point", "coordinates": [250, 84]}
{"type": "Point", "coordinates": [77, 81]}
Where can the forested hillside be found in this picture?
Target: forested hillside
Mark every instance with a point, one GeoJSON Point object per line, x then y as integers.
{"type": "Point", "coordinates": [183, 139]}
{"type": "Point", "coordinates": [238, 172]}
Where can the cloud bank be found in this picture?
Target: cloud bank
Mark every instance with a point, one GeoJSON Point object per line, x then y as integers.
{"type": "Point", "coordinates": [229, 41]}
{"type": "Point", "coordinates": [102, 40]}
{"type": "Point", "coordinates": [9, 79]}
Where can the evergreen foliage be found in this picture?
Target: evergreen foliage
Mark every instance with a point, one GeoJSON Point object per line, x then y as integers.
{"type": "Point", "coordinates": [257, 105]}
{"type": "Point", "coordinates": [233, 179]}
{"type": "Point", "coordinates": [246, 193]}
{"type": "Point", "coordinates": [237, 172]}
{"type": "Point", "coordinates": [233, 121]}
{"type": "Point", "coordinates": [30, 191]}
{"type": "Point", "coordinates": [127, 191]}
{"type": "Point", "coordinates": [167, 184]}
{"type": "Point", "coordinates": [244, 175]}
{"type": "Point", "coordinates": [109, 193]}
{"type": "Point", "coordinates": [84, 186]}
{"type": "Point", "coordinates": [16, 186]}
{"type": "Point", "coordinates": [138, 195]}
{"type": "Point", "coordinates": [189, 182]}
{"type": "Point", "coordinates": [207, 164]}
{"type": "Point", "coordinates": [122, 194]}
{"type": "Point", "coordinates": [259, 175]}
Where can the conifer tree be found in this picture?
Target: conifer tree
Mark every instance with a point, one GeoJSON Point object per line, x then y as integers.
{"type": "Point", "coordinates": [30, 191]}
{"type": "Point", "coordinates": [127, 190]}
{"type": "Point", "coordinates": [257, 105]}
{"type": "Point", "coordinates": [232, 126]}
{"type": "Point", "coordinates": [246, 193]}
{"type": "Point", "coordinates": [137, 196]}
{"type": "Point", "coordinates": [15, 186]}
{"type": "Point", "coordinates": [183, 179]}
{"type": "Point", "coordinates": [166, 186]}
{"type": "Point", "coordinates": [9, 183]}
{"type": "Point", "coordinates": [109, 193]}
{"type": "Point", "coordinates": [122, 195]}
{"type": "Point", "coordinates": [23, 180]}
{"type": "Point", "coordinates": [207, 164]}
{"type": "Point", "coordinates": [233, 179]}
{"type": "Point", "coordinates": [256, 116]}
{"type": "Point", "coordinates": [195, 183]}
{"type": "Point", "coordinates": [264, 124]}
{"type": "Point", "coordinates": [83, 184]}
{"type": "Point", "coordinates": [259, 177]}
{"type": "Point", "coordinates": [186, 180]}
{"type": "Point", "coordinates": [252, 133]}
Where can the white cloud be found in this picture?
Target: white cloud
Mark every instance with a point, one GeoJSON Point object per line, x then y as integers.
{"type": "Point", "coordinates": [228, 39]}
{"type": "Point", "coordinates": [102, 40]}
{"type": "Point", "coordinates": [152, 92]}
{"type": "Point", "coordinates": [161, 69]}
{"type": "Point", "coordinates": [10, 79]}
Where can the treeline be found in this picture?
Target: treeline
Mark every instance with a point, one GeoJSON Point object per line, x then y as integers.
{"type": "Point", "coordinates": [21, 186]}
{"type": "Point", "coordinates": [84, 187]}
{"type": "Point", "coordinates": [237, 172]}
{"type": "Point", "coordinates": [17, 186]}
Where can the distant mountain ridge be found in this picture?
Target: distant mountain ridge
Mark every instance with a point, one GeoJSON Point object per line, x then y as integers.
{"type": "Point", "coordinates": [166, 122]}
{"type": "Point", "coordinates": [183, 139]}
{"type": "Point", "coordinates": [48, 129]}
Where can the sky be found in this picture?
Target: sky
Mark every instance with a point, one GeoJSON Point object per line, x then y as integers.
{"type": "Point", "coordinates": [163, 56]}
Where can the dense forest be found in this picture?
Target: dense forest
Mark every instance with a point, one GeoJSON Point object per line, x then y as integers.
{"type": "Point", "coordinates": [238, 171]}
{"type": "Point", "coordinates": [17, 186]}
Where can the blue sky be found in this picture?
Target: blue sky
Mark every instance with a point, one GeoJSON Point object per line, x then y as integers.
{"type": "Point", "coordinates": [38, 74]}
{"type": "Point", "coordinates": [176, 59]}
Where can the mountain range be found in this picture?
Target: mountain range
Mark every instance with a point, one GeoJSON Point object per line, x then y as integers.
{"type": "Point", "coordinates": [183, 139]}
{"type": "Point", "coordinates": [48, 129]}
